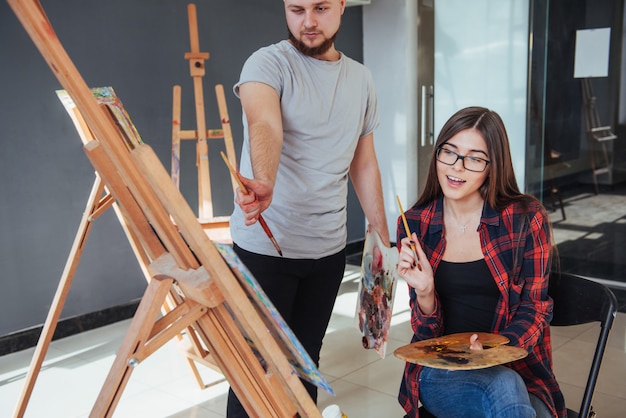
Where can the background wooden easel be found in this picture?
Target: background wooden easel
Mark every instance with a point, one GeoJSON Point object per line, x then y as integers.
{"type": "Point", "coordinates": [600, 137]}
{"type": "Point", "coordinates": [217, 227]}
{"type": "Point", "coordinates": [180, 259]}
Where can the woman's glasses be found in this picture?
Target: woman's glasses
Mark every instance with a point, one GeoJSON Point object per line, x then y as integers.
{"type": "Point", "coordinates": [449, 157]}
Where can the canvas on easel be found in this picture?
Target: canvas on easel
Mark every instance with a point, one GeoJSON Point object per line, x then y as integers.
{"type": "Point", "coordinates": [181, 258]}
{"type": "Point", "coordinates": [289, 343]}
{"type": "Point", "coordinates": [108, 97]}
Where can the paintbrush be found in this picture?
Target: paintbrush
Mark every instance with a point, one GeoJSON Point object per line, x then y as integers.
{"type": "Point", "coordinates": [408, 233]}
{"type": "Point", "coordinates": [266, 228]}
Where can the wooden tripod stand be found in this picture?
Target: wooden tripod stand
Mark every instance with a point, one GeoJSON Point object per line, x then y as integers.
{"type": "Point", "coordinates": [217, 227]}
{"type": "Point", "coordinates": [209, 294]}
{"type": "Point", "coordinates": [599, 136]}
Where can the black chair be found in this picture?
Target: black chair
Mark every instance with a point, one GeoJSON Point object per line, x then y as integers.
{"type": "Point", "coordinates": [424, 413]}
{"type": "Point", "coordinates": [578, 300]}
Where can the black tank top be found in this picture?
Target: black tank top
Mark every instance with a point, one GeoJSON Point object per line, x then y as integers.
{"type": "Point", "coordinates": [468, 296]}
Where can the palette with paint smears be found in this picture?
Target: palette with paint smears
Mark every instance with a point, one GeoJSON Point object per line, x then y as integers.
{"type": "Point", "coordinates": [452, 352]}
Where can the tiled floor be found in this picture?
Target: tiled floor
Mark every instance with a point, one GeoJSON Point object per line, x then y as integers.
{"type": "Point", "coordinates": [365, 384]}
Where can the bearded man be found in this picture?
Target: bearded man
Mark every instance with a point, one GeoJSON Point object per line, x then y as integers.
{"type": "Point", "coordinates": [309, 115]}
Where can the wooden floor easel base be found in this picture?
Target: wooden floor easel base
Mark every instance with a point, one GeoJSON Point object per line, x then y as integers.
{"type": "Point", "coordinates": [147, 332]}
{"type": "Point", "coordinates": [93, 210]}
{"type": "Point", "coordinates": [161, 316]}
{"type": "Point", "coordinates": [100, 201]}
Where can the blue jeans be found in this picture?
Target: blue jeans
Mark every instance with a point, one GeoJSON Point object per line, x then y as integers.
{"type": "Point", "coordinates": [495, 392]}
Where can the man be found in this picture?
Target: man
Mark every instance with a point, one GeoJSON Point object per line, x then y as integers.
{"type": "Point", "coordinates": [309, 116]}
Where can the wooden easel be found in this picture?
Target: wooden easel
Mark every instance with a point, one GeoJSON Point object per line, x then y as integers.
{"type": "Point", "coordinates": [217, 227]}
{"type": "Point", "coordinates": [599, 136]}
{"type": "Point", "coordinates": [180, 259]}
{"type": "Point", "coordinates": [194, 351]}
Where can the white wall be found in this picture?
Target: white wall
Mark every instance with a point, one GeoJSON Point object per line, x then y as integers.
{"type": "Point", "coordinates": [481, 58]}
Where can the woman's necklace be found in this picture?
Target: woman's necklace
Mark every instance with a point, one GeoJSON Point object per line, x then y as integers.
{"type": "Point", "coordinates": [463, 227]}
{"type": "Point", "coordinates": [475, 217]}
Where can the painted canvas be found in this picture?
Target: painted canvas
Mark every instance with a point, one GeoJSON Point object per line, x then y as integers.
{"type": "Point", "coordinates": [376, 292]}
{"type": "Point", "coordinates": [105, 96]}
{"type": "Point", "coordinates": [284, 336]}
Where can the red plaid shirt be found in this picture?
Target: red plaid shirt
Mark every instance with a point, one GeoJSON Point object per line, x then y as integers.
{"type": "Point", "coordinates": [524, 310]}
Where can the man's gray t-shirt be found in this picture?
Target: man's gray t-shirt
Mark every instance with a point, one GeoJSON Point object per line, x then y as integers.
{"type": "Point", "coordinates": [326, 107]}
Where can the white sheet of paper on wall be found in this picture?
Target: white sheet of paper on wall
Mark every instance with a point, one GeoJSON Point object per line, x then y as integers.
{"type": "Point", "coordinates": [592, 53]}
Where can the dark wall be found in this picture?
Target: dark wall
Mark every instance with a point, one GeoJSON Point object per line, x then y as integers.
{"type": "Point", "coordinates": [137, 48]}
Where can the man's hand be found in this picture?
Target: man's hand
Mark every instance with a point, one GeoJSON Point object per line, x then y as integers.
{"type": "Point", "coordinates": [255, 201]}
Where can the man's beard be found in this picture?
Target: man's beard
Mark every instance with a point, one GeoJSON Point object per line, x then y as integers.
{"type": "Point", "coordinates": [316, 50]}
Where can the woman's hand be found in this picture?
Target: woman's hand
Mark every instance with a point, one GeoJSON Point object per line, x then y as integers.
{"type": "Point", "coordinates": [474, 343]}
{"type": "Point", "coordinates": [414, 268]}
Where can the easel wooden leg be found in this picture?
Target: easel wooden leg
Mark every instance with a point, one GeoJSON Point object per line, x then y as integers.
{"type": "Point", "coordinates": [145, 335]}
{"type": "Point", "coordinates": [228, 136]}
{"type": "Point", "coordinates": [262, 397]}
{"type": "Point", "coordinates": [175, 168]}
{"type": "Point", "coordinates": [93, 209]}
{"type": "Point", "coordinates": [192, 347]}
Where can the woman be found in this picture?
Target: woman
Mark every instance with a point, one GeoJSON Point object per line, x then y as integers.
{"type": "Point", "coordinates": [488, 248]}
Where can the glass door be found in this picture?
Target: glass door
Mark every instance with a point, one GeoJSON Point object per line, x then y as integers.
{"type": "Point", "coordinates": [576, 139]}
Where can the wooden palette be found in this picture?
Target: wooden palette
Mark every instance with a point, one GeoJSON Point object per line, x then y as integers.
{"type": "Point", "coordinates": [452, 352]}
